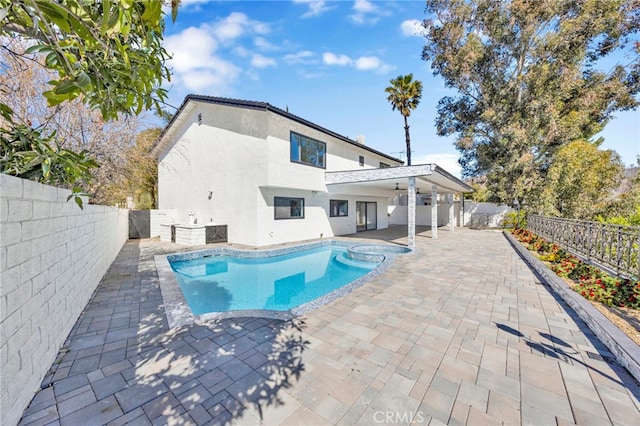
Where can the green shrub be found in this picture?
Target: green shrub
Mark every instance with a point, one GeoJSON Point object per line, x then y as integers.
{"type": "Point", "coordinates": [514, 220]}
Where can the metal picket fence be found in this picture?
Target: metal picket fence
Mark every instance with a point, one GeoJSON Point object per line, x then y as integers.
{"type": "Point", "coordinates": [612, 247]}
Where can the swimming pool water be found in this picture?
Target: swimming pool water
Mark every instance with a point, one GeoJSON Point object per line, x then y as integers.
{"type": "Point", "coordinates": [227, 283]}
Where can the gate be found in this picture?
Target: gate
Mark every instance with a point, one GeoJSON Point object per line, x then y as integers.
{"type": "Point", "coordinates": [139, 224]}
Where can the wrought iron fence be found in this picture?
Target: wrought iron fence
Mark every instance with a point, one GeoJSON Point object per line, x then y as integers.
{"type": "Point", "coordinates": [613, 247]}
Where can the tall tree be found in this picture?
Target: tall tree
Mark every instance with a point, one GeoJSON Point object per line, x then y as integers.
{"type": "Point", "coordinates": [404, 95]}
{"type": "Point", "coordinates": [528, 81]}
{"type": "Point", "coordinates": [139, 177]}
{"type": "Point", "coordinates": [108, 54]}
{"type": "Point", "coordinates": [73, 124]}
{"type": "Point", "coordinates": [625, 208]}
{"type": "Point", "coordinates": [582, 179]}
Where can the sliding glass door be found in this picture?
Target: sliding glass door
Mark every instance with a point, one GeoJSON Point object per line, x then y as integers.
{"type": "Point", "coordinates": [366, 216]}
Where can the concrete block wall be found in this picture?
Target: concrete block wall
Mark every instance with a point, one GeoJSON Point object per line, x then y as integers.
{"type": "Point", "coordinates": [52, 257]}
{"type": "Point", "coordinates": [489, 213]}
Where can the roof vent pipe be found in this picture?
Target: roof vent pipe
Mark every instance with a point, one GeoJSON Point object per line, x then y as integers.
{"type": "Point", "coordinates": [360, 139]}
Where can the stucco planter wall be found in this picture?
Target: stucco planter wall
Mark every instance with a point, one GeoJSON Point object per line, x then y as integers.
{"type": "Point", "coordinates": [625, 350]}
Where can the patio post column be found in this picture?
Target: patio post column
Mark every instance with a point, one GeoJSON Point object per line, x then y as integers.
{"type": "Point", "coordinates": [411, 213]}
{"type": "Point", "coordinates": [452, 224]}
{"type": "Point", "coordinates": [434, 211]}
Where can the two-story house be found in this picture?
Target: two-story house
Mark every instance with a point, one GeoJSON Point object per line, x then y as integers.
{"type": "Point", "coordinates": [273, 177]}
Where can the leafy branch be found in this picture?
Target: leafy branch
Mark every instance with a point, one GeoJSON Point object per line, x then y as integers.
{"type": "Point", "coordinates": [26, 153]}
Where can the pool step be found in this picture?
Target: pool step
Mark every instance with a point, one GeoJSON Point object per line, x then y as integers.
{"type": "Point", "coordinates": [343, 259]}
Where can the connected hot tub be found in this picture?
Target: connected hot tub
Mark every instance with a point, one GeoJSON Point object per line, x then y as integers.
{"type": "Point", "coordinates": [375, 252]}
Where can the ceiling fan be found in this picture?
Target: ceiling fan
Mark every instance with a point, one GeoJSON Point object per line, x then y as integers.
{"type": "Point", "coordinates": [402, 189]}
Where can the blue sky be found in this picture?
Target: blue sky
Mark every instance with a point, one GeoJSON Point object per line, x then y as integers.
{"type": "Point", "coordinates": [328, 62]}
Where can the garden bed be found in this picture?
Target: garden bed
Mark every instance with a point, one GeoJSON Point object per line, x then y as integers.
{"type": "Point", "coordinates": [616, 326]}
{"type": "Point", "coordinates": [626, 319]}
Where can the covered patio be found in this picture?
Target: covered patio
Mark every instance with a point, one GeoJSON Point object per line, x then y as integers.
{"type": "Point", "coordinates": [430, 176]}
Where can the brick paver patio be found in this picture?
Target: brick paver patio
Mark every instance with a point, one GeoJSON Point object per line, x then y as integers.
{"type": "Point", "coordinates": [461, 333]}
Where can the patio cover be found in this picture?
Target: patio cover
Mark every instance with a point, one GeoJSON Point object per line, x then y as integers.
{"type": "Point", "coordinates": [439, 179]}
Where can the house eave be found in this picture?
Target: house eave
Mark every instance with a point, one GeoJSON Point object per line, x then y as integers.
{"type": "Point", "coordinates": [238, 103]}
{"type": "Point", "coordinates": [387, 178]}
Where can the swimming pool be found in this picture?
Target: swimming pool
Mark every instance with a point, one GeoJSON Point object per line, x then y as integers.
{"type": "Point", "coordinates": [223, 282]}
{"type": "Point", "coordinates": [178, 311]}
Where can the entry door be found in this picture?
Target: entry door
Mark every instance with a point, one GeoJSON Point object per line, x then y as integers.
{"type": "Point", "coordinates": [366, 216]}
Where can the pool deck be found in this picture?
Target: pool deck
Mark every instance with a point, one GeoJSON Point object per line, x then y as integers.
{"type": "Point", "coordinates": [461, 333]}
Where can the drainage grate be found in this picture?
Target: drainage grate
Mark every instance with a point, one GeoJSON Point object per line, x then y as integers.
{"type": "Point", "coordinates": [599, 357]}
{"type": "Point", "coordinates": [611, 360]}
{"type": "Point", "coordinates": [595, 356]}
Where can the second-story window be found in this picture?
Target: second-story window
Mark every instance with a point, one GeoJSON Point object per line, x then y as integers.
{"type": "Point", "coordinates": [384, 165]}
{"type": "Point", "coordinates": [308, 151]}
{"type": "Point", "coordinates": [361, 160]}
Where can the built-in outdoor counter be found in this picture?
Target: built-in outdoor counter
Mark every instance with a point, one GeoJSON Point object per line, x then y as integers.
{"type": "Point", "coordinates": [193, 235]}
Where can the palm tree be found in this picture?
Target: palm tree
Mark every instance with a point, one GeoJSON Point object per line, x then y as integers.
{"type": "Point", "coordinates": [404, 96]}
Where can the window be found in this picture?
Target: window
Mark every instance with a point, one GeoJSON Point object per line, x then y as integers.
{"type": "Point", "coordinates": [384, 165]}
{"type": "Point", "coordinates": [307, 151]}
{"type": "Point", "coordinates": [338, 208]}
{"type": "Point", "coordinates": [288, 208]}
{"type": "Point", "coordinates": [361, 160]}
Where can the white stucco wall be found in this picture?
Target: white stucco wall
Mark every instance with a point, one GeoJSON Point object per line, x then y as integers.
{"type": "Point", "coordinates": [158, 218]}
{"type": "Point", "coordinates": [53, 256]}
{"type": "Point", "coordinates": [242, 157]}
{"type": "Point", "coordinates": [484, 214]}
{"type": "Point", "coordinates": [228, 165]}
{"type": "Point", "coordinates": [398, 215]}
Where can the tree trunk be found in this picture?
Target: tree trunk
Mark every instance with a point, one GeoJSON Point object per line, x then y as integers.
{"type": "Point", "coordinates": [408, 139]}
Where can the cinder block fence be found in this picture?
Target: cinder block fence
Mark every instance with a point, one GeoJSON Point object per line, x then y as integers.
{"type": "Point", "coordinates": [52, 257]}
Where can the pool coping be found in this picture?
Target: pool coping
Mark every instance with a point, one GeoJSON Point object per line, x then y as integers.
{"type": "Point", "coordinates": [179, 314]}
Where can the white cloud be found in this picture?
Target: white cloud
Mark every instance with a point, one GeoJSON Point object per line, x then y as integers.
{"type": "Point", "coordinates": [316, 7]}
{"type": "Point", "coordinates": [190, 49]}
{"type": "Point", "coordinates": [197, 54]}
{"type": "Point", "coordinates": [241, 51]}
{"type": "Point", "coordinates": [231, 27]}
{"type": "Point", "coordinates": [301, 57]}
{"type": "Point", "coordinates": [364, 6]}
{"type": "Point", "coordinates": [195, 64]}
{"type": "Point", "coordinates": [260, 61]}
{"type": "Point", "coordinates": [333, 59]}
{"type": "Point", "coordinates": [367, 63]}
{"type": "Point", "coordinates": [363, 63]}
{"type": "Point", "coordinates": [264, 44]}
{"type": "Point", "coordinates": [237, 25]}
{"type": "Point", "coordinates": [412, 27]}
{"type": "Point", "coordinates": [209, 81]}
{"type": "Point", "coordinates": [366, 12]}
{"type": "Point", "coordinates": [447, 161]}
